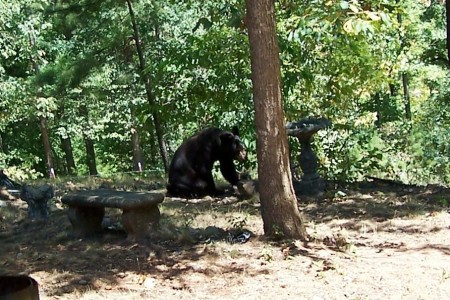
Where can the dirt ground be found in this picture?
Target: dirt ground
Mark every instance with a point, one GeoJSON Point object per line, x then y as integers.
{"type": "Point", "coordinates": [377, 240]}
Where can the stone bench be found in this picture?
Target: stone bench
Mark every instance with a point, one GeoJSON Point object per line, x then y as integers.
{"type": "Point", "coordinates": [87, 209]}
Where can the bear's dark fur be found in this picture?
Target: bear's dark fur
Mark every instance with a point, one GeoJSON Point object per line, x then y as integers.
{"type": "Point", "coordinates": [190, 172]}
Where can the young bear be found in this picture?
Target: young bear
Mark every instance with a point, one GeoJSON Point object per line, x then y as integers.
{"type": "Point", "coordinates": [190, 172]}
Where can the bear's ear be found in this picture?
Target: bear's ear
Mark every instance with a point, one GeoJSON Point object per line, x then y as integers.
{"type": "Point", "coordinates": [235, 130]}
{"type": "Point", "coordinates": [226, 135]}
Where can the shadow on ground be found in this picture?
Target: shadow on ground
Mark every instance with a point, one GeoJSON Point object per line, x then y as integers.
{"type": "Point", "coordinates": [377, 201]}
{"type": "Point", "coordinates": [30, 247]}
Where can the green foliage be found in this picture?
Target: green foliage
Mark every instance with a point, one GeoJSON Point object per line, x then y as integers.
{"type": "Point", "coordinates": [238, 222]}
{"type": "Point", "coordinates": [329, 59]}
{"type": "Point", "coordinates": [429, 160]}
{"type": "Point", "coordinates": [351, 152]}
{"type": "Point", "coordinates": [443, 202]}
{"type": "Point", "coordinates": [22, 175]}
{"type": "Point", "coordinates": [341, 59]}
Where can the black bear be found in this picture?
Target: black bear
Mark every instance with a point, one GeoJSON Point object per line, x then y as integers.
{"type": "Point", "coordinates": [190, 172]}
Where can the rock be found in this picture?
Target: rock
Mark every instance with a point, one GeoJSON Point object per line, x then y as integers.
{"type": "Point", "coordinates": [82, 282]}
{"type": "Point", "coordinates": [149, 283]}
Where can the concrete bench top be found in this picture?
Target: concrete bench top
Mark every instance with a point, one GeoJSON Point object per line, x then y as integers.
{"type": "Point", "coordinates": [111, 198]}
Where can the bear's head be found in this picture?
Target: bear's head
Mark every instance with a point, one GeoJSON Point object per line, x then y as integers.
{"type": "Point", "coordinates": [232, 145]}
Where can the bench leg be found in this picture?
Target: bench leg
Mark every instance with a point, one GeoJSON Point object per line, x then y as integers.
{"type": "Point", "coordinates": [86, 220]}
{"type": "Point", "coordinates": [139, 222]}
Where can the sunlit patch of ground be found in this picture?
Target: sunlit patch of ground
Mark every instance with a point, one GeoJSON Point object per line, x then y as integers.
{"type": "Point", "coordinates": [367, 242]}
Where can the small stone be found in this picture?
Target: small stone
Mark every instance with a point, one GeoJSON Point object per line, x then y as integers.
{"type": "Point", "coordinates": [208, 198]}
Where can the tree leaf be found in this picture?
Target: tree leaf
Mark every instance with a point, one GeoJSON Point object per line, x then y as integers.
{"type": "Point", "coordinates": [344, 4]}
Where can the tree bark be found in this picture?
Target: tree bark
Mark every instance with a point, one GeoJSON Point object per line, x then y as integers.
{"type": "Point", "coordinates": [138, 158]}
{"type": "Point", "coordinates": [90, 155]}
{"type": "Point", "coordinates": [404, 75]}
{"type": "Point", "coordinates": [406, 98]}
{"type": "Point", "coordinates": [89, 144]}
{"type": "Point", "coordinates": [447, 16]}
{"type": "Point", "coordinates": [377, 99]}
{"type": "Point", "coordinates": [148, 90]}
{"type": "Point", "coordinates": [1, 143]}
{"type": "Point", "coordinates": [280, 212]}
{"type": "Point", "coordinates": [66, 146]}
{"type": "Point", "coordinates": [43, 120]}
{"type": "Point", "coordinates": [47, 146]}
{"type": "Point", "coordinates": [153, 149]}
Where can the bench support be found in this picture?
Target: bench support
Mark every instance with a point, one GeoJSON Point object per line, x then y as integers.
{"type": "Point", "coordinates": [139, 223]}
{"type": "Point", "coordinates": [87, 209]}
{"type": "Point", "coordinates": [86, 220]}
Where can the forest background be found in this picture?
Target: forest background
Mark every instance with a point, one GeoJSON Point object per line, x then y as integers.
{"type": "Point", "coordinates": [105, 87]}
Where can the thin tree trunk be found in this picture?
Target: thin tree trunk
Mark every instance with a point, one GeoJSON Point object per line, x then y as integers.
{"type": "Point", "coordinates": [1, 143]}
{"type": "Point", "coordinates": [280, 212]}
{"type": "Point", "coordinates": [89, 144]}
{"type": "Point", "coordinates": [90, 155]}
{"type": "Point", "coordinates": [47, 147]}
{"type": "Point", "coordinates": [406, 99]}
{"type": "Point", "coordinates": [447, 15]}
{"type": "Point", "coordinates": [42, 120]}
{"type": "Point", "coordinates": [138, 158]}
{"type": "Point", "coordinates": [393, 89]}
{"type": "Point", "coordinates": [153, 149]}
{"type": "Point", "coordinates": [66, 146]}
{"type": "Point", "coordinates": [377, 99]}
{"type": "Point", "coordinates": [148, 90]}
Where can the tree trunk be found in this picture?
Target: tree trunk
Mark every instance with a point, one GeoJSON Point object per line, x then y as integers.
{"type": "Point", "coordinates": [378, 105]}
{"type": "Point", "coordinates": [138, 158]}
{"type": "Point", "coordinates": [280, 212]}
{"type": "Point", "coordinates": [89, 144]}
{"type": "Point", "coordinates": [1, 143]}
{"type": "Point", "coordinates": [406, 99]}
{"type": "Point", "coordinates": [47, 146]}
{"type": "Point", "coordinates": [148, 91]}
{"type": "Point", "coordinates": [66, 146]}
{"type": "Point", "coordinates": [153, 150]}
{"type": "Point", "coordinates": [42, 120]}
{"type": "Point", "coordinates": [90, 155]}
{"type": "Point", "coordinates": [447, 15]}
